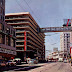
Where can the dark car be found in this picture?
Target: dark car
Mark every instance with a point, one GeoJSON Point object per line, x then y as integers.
{"type": "Point", "coordinates": [2, 63]}
{"type": "Point", "coordinates": [65, 60]}
{"type": "Point", "coordinates": [17, 60]}
{"type": "Point", "coordinates": [11, 63]}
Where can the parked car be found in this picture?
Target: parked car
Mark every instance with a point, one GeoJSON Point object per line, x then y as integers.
{"type": "Point", "coordinates": [65, 60]}
{"type": "Point", "coordinates": [60, 60]}
{"type": "Point", "coordinates": [69, 60]}
{"type": "Point", "coordinates": [17, 60]}
{"type": "Point", "coordinates": [2, 62]}
{"type": "Point", "coordinates": [11, 63]}
{"type": "Point", "coordinates": [28, 59]}
{"type": "Point", "coordinates": [33, 61]}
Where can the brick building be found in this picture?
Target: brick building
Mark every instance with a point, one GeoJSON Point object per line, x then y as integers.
{"type": "Point", "coordinates": [7, 36]}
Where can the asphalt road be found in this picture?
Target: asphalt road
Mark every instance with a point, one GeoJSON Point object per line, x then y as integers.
{"type": "Point", "coordinates": [54, 67]}
{"type": "Point", "coordinates": [47, 67]}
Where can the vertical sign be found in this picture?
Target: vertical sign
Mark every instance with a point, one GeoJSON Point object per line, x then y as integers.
{"type": "Point", "coordinates": [71, 51]}
{"type": "Point", "coordinates": [25, 41]}
{"type": "Point", "coordinates": [67, 22]}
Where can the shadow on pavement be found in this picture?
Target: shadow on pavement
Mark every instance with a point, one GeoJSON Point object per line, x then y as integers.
{"type": "Point", "coordinates": [17, 68]}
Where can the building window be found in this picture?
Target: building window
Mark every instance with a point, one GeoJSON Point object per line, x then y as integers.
{"type": "Point", "coordinates": [8, 30]}
{"type": "Point", "coordinates": [1, 41]}
{"type": "Point", "coordinates": [1, 17]}
{"type": "Point", "coordinates": [0, 26]}
{"type": "Point", "coordinates": [6, 40]}
{"type": "Point", "coordinates": [14, 43]}
{"type": "Point", "coordinates": [3, 37]}
{"type": "Point", "coordinates": [13, 33]}
{"type": "Point", "coordinates": [11, 42]}
{"type": "Point", "coordinates": [0, 10]}
{"type": "Point", "coordinates": [1, 2]}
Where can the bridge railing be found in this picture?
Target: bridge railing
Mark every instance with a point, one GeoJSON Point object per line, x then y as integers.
{"type": "Point", "coordinates": [56, 29]}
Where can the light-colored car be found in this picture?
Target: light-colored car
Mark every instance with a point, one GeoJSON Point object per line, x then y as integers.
{"type": "Point", "coordinates": [65, 61]}
{"type": "Point", "coordinates": [33, 61]}
{"type": "Point", "coordinates": [28, 59]}
{"type": "Point", "coordinates": [11, 63]}
{"type": "Point", "coordinates": [17, 60]}
{"type": "Point", "coordinates": [60, 60]}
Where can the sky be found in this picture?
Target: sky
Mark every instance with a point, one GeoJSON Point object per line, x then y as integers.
{"type": "Point", "coordinates": [47, 13]}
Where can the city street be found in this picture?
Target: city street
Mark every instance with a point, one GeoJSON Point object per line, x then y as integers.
{"type": "Point", "coordinates": [35, 36]}
{"type": "Point", "coordinates": [54, 67]}
{"type": "Point", "coordinates": [47, 67]}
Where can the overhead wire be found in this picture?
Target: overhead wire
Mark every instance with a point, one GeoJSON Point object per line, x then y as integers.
{"type": "Point", "coordinates": [52, 39]}
{"type": "Point", "coordinates": [31, 9]}
{"type": "Point", "coordinates": [20, 5]}
{"type": "Point", "coordinates": [51, 34]}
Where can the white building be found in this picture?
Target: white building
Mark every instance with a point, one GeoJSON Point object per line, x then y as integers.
{"type": "Point", "coordinates": [55, 49]}
{"type": "Point", "coordinates": [56, 55]}
{"type": "Point", "coordinates": [71, 36]}
{"type": "Point", "coordinates": [65, 43]}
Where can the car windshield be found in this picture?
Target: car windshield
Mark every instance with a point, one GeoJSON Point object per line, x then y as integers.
{"type": "Point", "coordinates": [9, 61]}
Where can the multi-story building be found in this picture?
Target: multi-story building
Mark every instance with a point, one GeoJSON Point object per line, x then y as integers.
{"type": "Point", "coordinates": [29, 42]}
{"type": "Point", "coordinates": [7, 36]}
{"type": "Point", "coordinates": [55, 49]}
{"type": "Point", "coordinates": [56, 55]}
{"type": "Point", "coordinates": [68, 22]}
{"type": "Point", "coordinates": [65, 43]}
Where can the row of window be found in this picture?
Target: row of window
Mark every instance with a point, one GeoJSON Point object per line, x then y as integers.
{"type": "Point", "coordinates": [24, 16]}
{"type": "Point", "coordinates": [29, 35]}
{"type": "Point", "coordinates": [7, 30]}
{"type": "Point", "coordinates": [21, 25]}
{"type": "Point", "coordinates": [1, 26]}
{"type": "Point", "coordinates": [1, 2]}
{"type": "Point", "coordinates": [2, 14]}
{"type": "Point", "coordinates": [9, 41]}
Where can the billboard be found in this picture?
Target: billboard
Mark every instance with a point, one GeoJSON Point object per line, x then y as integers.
{"type": "Point", "coordinates": [67, 22]}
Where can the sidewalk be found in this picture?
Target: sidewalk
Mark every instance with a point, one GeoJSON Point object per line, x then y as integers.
{"type": "Point", "coordinates": [39, 64]}
{"type": "Point", "coordinates": [70, 65]}
{"type": "Point", "coordinates": [42, 68]}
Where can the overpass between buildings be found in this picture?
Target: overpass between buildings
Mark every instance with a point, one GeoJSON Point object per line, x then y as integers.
{"type": "Point", "coordinates": [55, 29]}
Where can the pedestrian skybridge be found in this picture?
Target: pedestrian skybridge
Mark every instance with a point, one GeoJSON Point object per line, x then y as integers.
{"type": "Point", "coordinates": [55, 29]}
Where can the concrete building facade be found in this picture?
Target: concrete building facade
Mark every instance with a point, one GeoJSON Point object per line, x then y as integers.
{"type": "Point", "coordinates": [29, 42]}
{"type": "Point", "coordinates": [7, 36]}
{"type": "Point", "coordinates": [65, 43]}
{"type": "Point", "coordinates": [56, 55]}
{"type": "Point", "coordinates": [55, 49]}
